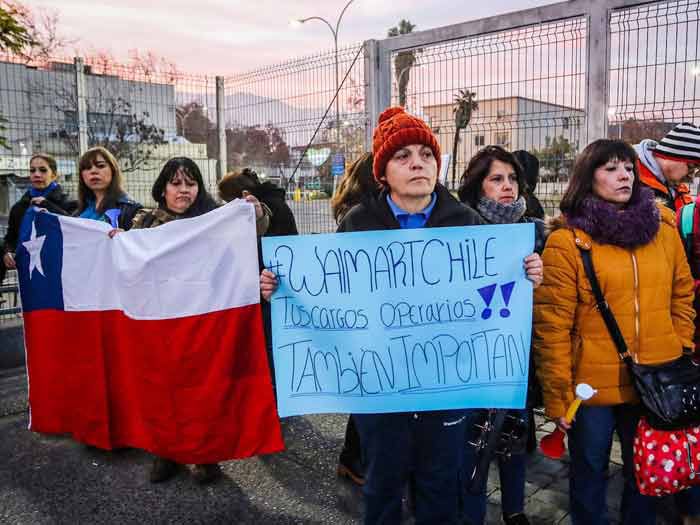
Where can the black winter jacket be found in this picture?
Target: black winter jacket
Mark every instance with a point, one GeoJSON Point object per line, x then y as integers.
{"type": "Point", "coordinates": [282, 220]}
{"type": "Point", "coordinates": [57, 202]}
{"type": "Point", "coordinates": [375, 214]}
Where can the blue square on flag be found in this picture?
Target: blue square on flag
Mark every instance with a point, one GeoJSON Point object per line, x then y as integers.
{"type": "Point", "coordinates": [39, 257]}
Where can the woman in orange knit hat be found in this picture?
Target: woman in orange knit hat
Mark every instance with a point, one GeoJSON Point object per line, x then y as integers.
{"type": "Point", "coordinates": [427, 445]}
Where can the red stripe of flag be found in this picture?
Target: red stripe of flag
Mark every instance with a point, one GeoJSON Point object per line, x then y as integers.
{"type": "Point", "coordinates": [194, 390]}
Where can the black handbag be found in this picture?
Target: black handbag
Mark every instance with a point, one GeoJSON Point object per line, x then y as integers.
{"type": "Point", "coordinates": [496, 431]}
{"type": "Point", "coordinates": [669, 392]}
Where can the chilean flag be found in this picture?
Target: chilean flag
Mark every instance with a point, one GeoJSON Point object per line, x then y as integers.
{"type": "Point", "coordinates": [153, 339]}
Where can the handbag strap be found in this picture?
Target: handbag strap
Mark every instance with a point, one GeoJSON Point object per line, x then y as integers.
{"type": "Point", "coordinates": [604, 308]}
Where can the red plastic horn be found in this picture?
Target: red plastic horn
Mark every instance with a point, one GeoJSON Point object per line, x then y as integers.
{"type": "Point", "coordinates": [552, 445]}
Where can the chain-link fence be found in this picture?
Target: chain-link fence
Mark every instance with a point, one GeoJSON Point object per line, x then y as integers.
{"type": "Point", "coordinates": [312, 130]}
{"type": "Point", "coordinates": [654, 68]}
{"type": "Point", "coordinates": [144, 116]}
{"type": "Point", "coordinates": [546, 80]}
{"type": "Point", "coordinates": [10, 306]}
{"type": "Point", "coordinates": [522, 89]}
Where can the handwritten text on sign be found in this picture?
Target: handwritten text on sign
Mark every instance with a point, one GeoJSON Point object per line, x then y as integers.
{"type": "Point", "coordinates": [401, 320]}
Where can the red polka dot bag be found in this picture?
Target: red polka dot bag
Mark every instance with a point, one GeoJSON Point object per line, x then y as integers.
{"type": "Point", "coordinates": [666, 461]}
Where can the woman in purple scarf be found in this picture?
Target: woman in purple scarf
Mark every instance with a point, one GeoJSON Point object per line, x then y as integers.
{"type": "Point", "coordinates": [640, 263]}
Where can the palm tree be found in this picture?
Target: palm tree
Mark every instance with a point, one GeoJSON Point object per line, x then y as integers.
{"type": "Point", "coordinates": [465, 105]}
{"type": "Point", "coordinates": [404, 60]}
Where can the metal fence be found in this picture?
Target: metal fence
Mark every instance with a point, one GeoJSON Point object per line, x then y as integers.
{"type": "Point", "coordinates": [142, 113]}
{"type": "Point", "coordinates": [296, 101]}
{"type": "Point", "coordinates": [10, 306]}
{"type": "Point", "coordinates": [654, 68]}
{"type": "Point", "coordinates": [547, 80]}
{"type": "Point", "coordinates": [527, 88]}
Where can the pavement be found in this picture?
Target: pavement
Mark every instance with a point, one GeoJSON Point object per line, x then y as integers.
{"type": "Point", "coordinates": [53, 480]}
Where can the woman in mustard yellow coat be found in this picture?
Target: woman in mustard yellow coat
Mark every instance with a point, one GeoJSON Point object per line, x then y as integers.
{"type": "Point", "coordinates": [641, 265]}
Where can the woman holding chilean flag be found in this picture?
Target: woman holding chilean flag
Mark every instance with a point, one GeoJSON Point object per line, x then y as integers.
{"type": "Point", "coordinates": [44, 192]}
{"type": "Point", "coordinates": [100, 193]}
{"type": "Point", "coordinates": [180, 193]}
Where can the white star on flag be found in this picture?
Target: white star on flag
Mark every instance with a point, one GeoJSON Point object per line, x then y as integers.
{"type": "Point", "coordinates": [34, 246]}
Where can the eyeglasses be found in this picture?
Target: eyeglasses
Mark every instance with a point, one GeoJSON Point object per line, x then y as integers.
{"type": "Point", "coordinates": [41, 169]}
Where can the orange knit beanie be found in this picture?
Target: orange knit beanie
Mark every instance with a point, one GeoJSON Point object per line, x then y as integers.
{"type": "Point", "coordinates": [395, 130]}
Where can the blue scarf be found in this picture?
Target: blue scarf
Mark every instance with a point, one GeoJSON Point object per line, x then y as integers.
{"type": "Point", "coordinates": [110, 216]}
{"type": "Point", "coordinates": [91, 212]}
{"type": "Point", "coordinates": [33, 192]}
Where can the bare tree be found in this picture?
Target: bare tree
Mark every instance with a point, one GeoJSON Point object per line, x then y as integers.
{"type": "Point", "coordinates": [150, 65]}
{"type": "Point", "coordinates": [113, 123]}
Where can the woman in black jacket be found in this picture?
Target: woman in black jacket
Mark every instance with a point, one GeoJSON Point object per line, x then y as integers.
{"type": "Point", "coordinates": [428, 446]}
{"type": "Point", "coordinates": [531, 167]}
{"type": "Point", "coordinates": [239, 185]}
{"type": "Point", "coordinates": [44, 193]}
{"type": "Point", "coordinates": [494, 185]}
{"type": "Point", "coordinates": [356, 185]}
{"type": "Point", "coordinates": [180, 193]}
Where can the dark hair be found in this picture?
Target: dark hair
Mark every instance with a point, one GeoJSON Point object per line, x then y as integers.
{"type": "Point", "coordinates": [234, 184]}
{"type": "Point", "coordinates": [357, 184]}
{"type": "Point", "coordinates": [470, 185]}
{"type": "Point", "coordinates": [595, 155]}
{"type": "Point", "coordinates": [48, 159]}
{"type": "Point", "coordinates": [531, 167]}
{"type": "Point", "coordinates": [202, 203]}
{"type": "Point", "coordinates": [114, 190]}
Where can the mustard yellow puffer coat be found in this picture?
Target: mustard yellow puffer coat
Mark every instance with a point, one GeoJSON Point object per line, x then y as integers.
{"type": "Point", "coordinates": [650, 292]}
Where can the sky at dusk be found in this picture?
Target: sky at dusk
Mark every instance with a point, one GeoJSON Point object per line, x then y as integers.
{"type": "Point", "coordinates": [229, 36]}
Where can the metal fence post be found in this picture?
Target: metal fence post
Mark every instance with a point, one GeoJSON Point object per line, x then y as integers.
{"type": "Point", "coordinates": [81, 104]}
{"type": "Point", "coordinates": [378, 88]}
{"type": "Point", "coordinates": [384, 78]}
{"type": "Point", "coordinates": [221, 128]}
{"type": "Point", "coordinates": [597, 96]}
{"type": "Point", "coordinates": [371, 89]}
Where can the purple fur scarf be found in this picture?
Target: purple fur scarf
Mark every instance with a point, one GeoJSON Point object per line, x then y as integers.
{"type": "Point", "coordinates": [634, 225]}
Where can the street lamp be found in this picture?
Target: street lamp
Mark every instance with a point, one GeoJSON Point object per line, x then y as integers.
{"type": "Point", "coordinates": [334, 32]}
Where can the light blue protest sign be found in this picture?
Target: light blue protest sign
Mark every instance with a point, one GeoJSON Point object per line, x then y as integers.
{"type": "Point", "coordinates": [401, 320]}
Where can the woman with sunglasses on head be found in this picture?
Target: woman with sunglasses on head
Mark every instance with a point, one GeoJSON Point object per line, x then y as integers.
{"type": "Point", "coordinates": [45, 193]}
{"type": "Point", "coordinates": [101, 195]}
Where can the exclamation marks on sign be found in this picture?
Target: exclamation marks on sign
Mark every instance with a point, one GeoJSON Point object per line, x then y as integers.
{"type": "Point", "coordinates": [487, 293]}
{"type": "Point", "coordinates": [506, 292]}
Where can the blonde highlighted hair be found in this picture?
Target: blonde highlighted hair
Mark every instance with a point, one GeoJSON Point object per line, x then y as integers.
{"type": "Point", "coordinates": [357, 184]}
